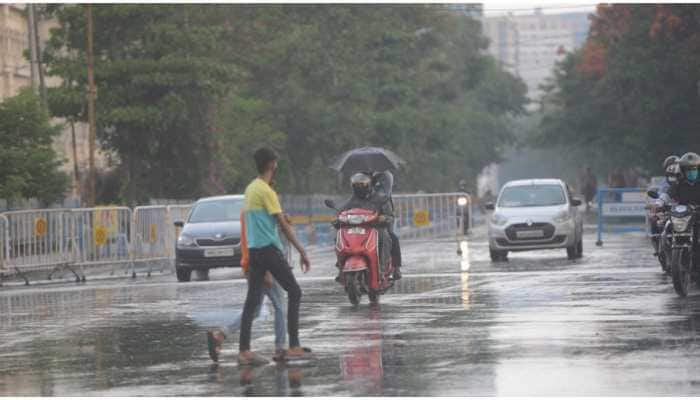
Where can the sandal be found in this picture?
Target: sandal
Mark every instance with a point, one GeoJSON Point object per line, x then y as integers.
{"type": "Point", "coordinates": [214, 344]}
{"type": "Point", "coordinates": [254, 360]}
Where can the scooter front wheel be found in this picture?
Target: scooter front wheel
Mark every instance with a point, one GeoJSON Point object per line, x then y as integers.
{"type": "Point", "coordinates": [373, 297]}
{"type": "Point", "coordinates": [352, 288]}
{"type": "Point", "coordinates": [680, 267]}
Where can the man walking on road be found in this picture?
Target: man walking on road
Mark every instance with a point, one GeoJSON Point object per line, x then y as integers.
{"type": "Point", "coordinates": [263, 214]}
{"type": "Point", "coordinates": [272, 289]}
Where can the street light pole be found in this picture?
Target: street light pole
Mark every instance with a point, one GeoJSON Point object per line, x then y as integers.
{"type": "Point", "coordinates": [92, 92]}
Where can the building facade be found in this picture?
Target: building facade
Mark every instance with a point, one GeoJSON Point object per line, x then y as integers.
{"type": "Point", "coordinates": [529, 46]}
{"type": "Point", "coordinates": [15, 74]}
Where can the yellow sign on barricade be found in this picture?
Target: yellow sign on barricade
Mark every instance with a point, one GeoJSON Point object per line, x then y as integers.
{"type": "Point", "coordinates": [421, 218]}
{"type": "Point", "coordinates": [153, 233]}
{"type": "Point", "coordinates": [41, 226]}
{"type": "Point", "coordinates": [100, 236]}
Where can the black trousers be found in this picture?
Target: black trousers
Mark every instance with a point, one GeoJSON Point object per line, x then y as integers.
{"type": "Point", "coordinates": [271, 259]}
{"type": "Point", "coordinates": [395, 249]}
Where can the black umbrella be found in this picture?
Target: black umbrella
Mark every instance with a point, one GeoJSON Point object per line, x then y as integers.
{"type": "Point", "coordinates": [367, 159]}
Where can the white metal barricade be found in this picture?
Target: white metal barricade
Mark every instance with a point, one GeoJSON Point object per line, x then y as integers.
{"type": "Point", "coordinates": [101, 235]}
{"type": "Point", "coordinates": [434, 215]}
{"type": "Point", "coordinates": [151, 235]}
{"type": "Point", "coordinates": [4, 248]}
{"type": "Point", "coordinates": [37, 240]}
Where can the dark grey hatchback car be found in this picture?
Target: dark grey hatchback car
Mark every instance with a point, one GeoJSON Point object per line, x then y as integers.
{"type": "Point", "coordinates": [210, 238]}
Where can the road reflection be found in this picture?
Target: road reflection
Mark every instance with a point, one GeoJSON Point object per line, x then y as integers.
{"type": "Point", "coordinates": [362, 365]}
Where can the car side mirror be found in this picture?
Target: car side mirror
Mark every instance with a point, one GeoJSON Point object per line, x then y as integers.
{"type": "Point", "coordinates": [179, 224]}
{"type": "Point", "coordinates": [653, 194]}
{"type": "Point", "coordinates": [490, 206]}
{"type": "Point", "coordinates": [576, 202]}
{"type": "Point", "coordinates": [329, 203]}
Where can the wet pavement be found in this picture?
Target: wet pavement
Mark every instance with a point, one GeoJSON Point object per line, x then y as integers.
{"type": "Point", "coordinates": [609, 324]}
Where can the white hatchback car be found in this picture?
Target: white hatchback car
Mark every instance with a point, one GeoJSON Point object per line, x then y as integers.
{"type": "Point", "coordinates": [535, 214]}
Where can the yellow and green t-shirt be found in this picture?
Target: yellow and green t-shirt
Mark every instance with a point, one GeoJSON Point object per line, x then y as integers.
{"type": "Point", "coordinates": [261, 204]}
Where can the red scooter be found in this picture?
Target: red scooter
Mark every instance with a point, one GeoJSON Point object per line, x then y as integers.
{"type": "Point", "coordinates": [357, 249]}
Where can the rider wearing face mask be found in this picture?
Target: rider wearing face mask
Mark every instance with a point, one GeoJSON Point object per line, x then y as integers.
{"type": "Point", "coordinates": [687, 190]}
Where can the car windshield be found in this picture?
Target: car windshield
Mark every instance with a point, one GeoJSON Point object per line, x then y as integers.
{"type": "Point", "coordinates": [532, 196]}
{"type": "Point", "coordinates": [217, 211]}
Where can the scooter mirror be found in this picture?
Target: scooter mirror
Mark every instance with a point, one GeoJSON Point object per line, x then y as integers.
{"type": "Point", "coordinates": [329, 203]}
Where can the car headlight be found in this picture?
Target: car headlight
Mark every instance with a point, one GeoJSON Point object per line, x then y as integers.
{"type": "Point", "coordinates": [680, 224]}
{"type": "Point", "coordinates": [462, 201]}
{"type": "Point", "coordinates": [562, 217]}
{"type": "Point", "coordinates": [185, 241]}
{"type": "Point", "coordinates": [498, 219]}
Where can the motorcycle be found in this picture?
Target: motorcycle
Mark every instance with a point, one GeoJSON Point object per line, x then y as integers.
{"type": "Point", "coordinates": [660, 216]}
{"type": "Point", "coordinates": [357, 250]}
{"type": "Point", "coordinates": [683, 221]}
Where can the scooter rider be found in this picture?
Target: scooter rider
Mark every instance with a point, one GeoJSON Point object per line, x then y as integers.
{"type": "Point", "coordinates": [687, 190]}
{"type": "Point", "coordinates": [363, 197]}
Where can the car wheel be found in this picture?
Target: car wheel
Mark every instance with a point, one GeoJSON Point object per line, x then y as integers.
{"type": "Point", "coordinates": [579, 248]}
{"type": "Point", "coordinates": [498, 255]}
{"type": "Point", "coordinates": [183, 274]}
{"type": "Point", "coordinates": [203, 274]}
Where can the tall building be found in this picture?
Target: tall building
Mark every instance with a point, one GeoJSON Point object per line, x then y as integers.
{"type": "Point", "coordinates": [15, 74]}
{"type": "Point", "coordinates": [530, 45]}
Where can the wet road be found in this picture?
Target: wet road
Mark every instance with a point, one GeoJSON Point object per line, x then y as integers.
{"type": "Point", "coordinates": [608, 324]}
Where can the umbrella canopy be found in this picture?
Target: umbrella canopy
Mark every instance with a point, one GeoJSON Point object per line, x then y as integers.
{"type": "Point", "coordinates": [367, 159]}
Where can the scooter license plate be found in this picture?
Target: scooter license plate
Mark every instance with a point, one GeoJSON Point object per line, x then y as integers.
{"type": "Point", "coordinates": [356, 231]}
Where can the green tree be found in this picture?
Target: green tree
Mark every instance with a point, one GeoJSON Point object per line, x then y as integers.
{"type": "Point", "coordinates": [28, 163]}
{"type": "Point", "coordinates": [414, 79]}
{"type": "Point", "coordinates": [629, 96]}
{"type": "Point", "coordinates": [160, 73]}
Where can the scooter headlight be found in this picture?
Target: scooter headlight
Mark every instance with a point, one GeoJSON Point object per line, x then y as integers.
{"type": "Point", "coordinates": [462, 201]}
{"type": "Point", "coordinates": [357, 219]}
{"type": "Point", "coordinates": [680, 224]}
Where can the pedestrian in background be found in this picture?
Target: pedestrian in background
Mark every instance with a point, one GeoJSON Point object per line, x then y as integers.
{"type": "Point", "coordinates": [589, 186]}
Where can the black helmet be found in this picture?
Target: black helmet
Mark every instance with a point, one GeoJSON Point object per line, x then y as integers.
{"type": "Point", "coordinates": [690, 162]}
{"type": "Point", "coordinates": [670, 160]}
{"type": "Point", "coordinates": [361, 185]}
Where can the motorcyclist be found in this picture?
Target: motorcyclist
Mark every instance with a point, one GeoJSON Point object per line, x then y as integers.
{"type": "Point", "coordinates": [672, 171]}
{"type": "Point", "coordinates": [687, 190]}
{"type": "Point", "coordinates": [364, 196]}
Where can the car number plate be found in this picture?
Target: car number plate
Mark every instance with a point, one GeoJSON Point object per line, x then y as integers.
{"type": "Point", "coordinates": [356, 231]}
{"type": "Point", "coordinates": [529, 234]}
{"type": "Point", "coordinates": [225, 252]}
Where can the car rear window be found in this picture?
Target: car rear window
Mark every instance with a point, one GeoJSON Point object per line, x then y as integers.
{"type": "Point", "coordinates": [217, 211]}
{"type": "Point", "coordinates": [532, 196]}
